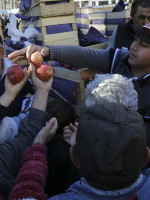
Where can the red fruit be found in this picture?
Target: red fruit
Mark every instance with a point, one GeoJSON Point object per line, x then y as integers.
{"type": "Point", "coordinates": [45, 72]}
{"type": "Point", "coordinates": [15, 74]}
{"type": "Point", "coordinates": [36, 59]}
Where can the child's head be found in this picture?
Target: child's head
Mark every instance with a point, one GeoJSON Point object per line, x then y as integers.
{"type": "Point", "coordinates": [112, 88]}
{"type": "Point", "coordinates": [63, 111]}
{"type": "Point", "coordinates": [110, 145]}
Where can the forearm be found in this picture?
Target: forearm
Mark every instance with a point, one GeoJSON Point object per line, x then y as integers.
{"type": "Point", "coordinates": [6, 99]}
{"type": "Point", "coordinates": [95, 59]}
{"type": "Point", "coordinates": [40, 100]}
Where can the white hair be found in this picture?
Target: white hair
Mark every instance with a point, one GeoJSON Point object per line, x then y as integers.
{"type": "Point", "coordinates": [113, 88]}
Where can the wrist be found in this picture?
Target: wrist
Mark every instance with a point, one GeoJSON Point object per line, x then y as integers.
{"type": "Point", "coordinates": [6, 99]}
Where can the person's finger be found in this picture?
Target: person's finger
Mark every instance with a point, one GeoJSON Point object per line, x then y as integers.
{"type": "Point", "coordinates": [15, 54]}
{"type": "Point", "coordinates": [45, 51]}
{"type": "Point", "coordinates": [54, 124]}
{"type": "Point", "coordinates": [19, 58]}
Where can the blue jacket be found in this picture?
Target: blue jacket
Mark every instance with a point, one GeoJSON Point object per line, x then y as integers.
{"type": "Point", "coordinates": [80, 190]}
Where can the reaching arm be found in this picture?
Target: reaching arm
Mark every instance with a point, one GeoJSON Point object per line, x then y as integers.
{"type": "Point", "coordinates": [95, 59]}
{"type": "Point", "coordinates": [33, 170]}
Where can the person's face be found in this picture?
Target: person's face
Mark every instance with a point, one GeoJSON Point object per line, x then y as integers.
{"type": "Point", "coordinates": [1, 58]}
{"type": "Point", "coordinates": [141, 17]}
{"type": "Point", "coordinates": [139, 57]}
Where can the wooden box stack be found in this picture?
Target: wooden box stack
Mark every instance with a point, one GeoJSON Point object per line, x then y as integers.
{"type": "Point", "coordinates": [53, 14]}
{"type": "Point", "coordinates": [111, 19]}
{"type": "Point", "coordinates": [82, 16]}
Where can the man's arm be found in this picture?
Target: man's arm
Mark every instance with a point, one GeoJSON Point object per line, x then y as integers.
{"type": "Point", "coordinates": [84, 57]}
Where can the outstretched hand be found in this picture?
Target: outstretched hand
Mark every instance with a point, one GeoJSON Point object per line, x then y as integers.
{"type": "Point", "coordinates": [25, 53]}
{"type": "Point", "coordinates": [70, 133]}
{"type": "Point", "coordinates": [38, 84]}
{"type": "Point", "coordinates": [12, 90]}
{"type": "Point", "coordinates": [47, 132]}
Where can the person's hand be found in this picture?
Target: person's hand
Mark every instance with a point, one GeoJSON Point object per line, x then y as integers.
{"type": "Point", "coordinates": [70, 133]}
{"type": "Point", "coordinates": [25, 53]}
{"type": "Point", "coordinates": [12, 90]}
{"type": "Point", "coordinates": [41, 90]}
{"type": "Point", "coordinates": [47, 132]}
{"type": "Point", "coordinates": [38, 84]}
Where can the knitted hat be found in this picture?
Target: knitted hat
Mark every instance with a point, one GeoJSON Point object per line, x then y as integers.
{"type": "Point", "coordinates": [110, 144]}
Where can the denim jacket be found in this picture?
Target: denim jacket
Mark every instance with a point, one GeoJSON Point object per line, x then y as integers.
{"type": "Point", "coordinates": [80, 190]}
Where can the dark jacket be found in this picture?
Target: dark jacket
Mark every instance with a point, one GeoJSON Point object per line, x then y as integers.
{"type": "Point", "coordinates": [11, 150]}
{"type": "Point", "coordinates": [124, 38]}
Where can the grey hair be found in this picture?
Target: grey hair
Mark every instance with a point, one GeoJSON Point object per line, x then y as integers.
{"type": "Point", "coordinates": [112, 88]}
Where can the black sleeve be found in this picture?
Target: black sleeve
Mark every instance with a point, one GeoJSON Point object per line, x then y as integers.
{"type": "Point", "coordinates": [3, 112]}
{"type": "Point", "coordinates": [11, 150]}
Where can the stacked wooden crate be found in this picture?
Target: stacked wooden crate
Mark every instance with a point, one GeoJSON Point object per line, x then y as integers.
{"type": "Point", "coordinates": [108, 21]}
{"type": "Point", "coordinates": [56, 21]}
{"type": "Point", "coordinates": [82, 16]}
{"type": "Point", "coordinates": [101, 18]}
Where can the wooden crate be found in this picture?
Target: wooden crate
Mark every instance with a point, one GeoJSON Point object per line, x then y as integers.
{"type": "Point", "coordinates": [82, 16]}
{"type": "Point", "coordinates": [42, 8]}
{"type": "Point", "coordinates": [64, 38]}
{"type": "Point", "coordinates": [111, 20]}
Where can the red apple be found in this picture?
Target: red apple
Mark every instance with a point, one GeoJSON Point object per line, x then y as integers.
{"type": "Point", "coordinates": [36, 59]}
{"type": "Point", "coordinates": [45, 72]}
{"type": "Point", "coordinates": [15, 74]}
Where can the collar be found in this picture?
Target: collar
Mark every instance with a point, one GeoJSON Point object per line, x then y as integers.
{"type": "Point", "coordinates": [6, 63]}
{"type": "Point", "coordinates": [83, 187]}
{"type": "Point", "coordinates": [141, 80]}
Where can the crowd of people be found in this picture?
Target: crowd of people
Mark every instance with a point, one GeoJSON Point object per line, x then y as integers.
{"type": "Point", "coordinates": [47, 152]}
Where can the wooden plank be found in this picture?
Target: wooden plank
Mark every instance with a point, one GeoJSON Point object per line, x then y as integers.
{"type": "Point", "coordinates": [99, 46]}
{"type": "Point", "coordinates": [57, 9]}
{"type": "Point", "coordinates": [93, 10]}
{"type": "Point", "coordinates": [58, 20]}
{"type": "Point", "coordinates": [118, 15]}
{"type": "Point", "coordinates": [23, 23]}
{"type": "Point", "coordinates": [60, 36]}
{"type": "Point", "coordinates": [67, 74]}
{"type": "Point", "coordinates": [83, 21]}
{"type": "Point", "coordinates": [70, 41]}
{"type": "Point", "coordinates": [97, 15]}
{"type": "Point", "coordinates": [43, 10]}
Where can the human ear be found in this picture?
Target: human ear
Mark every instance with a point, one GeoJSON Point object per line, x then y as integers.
{"type": "Point", "coordinates": [74, 157]}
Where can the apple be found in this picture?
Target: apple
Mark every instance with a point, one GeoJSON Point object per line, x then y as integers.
{"type": "Point", "coordinates": [15, 74]}
{"type": "Point", "coordinates": [45, 72]}
{"type": "Point", "coordinates": [36, 59]}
